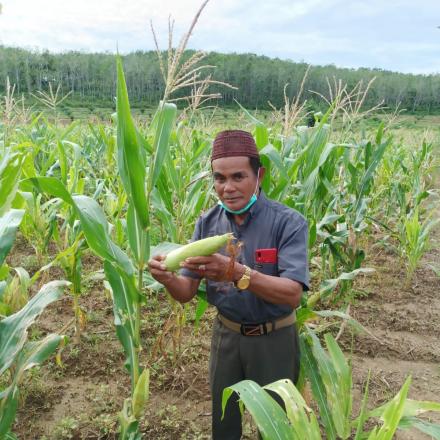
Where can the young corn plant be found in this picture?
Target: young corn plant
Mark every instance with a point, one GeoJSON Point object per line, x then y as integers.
{"type": "Point", "coordinates": [182, 192]}
{"type": "Point", "coordinates": [39, 223]}
{"type": "Point", "coordinates": [124, 275]}
{"type": "Point", "coordinates": [332, 388]}
{"type": "Point", "coordinates": [414, 240]}
{"type": "Point", "coordinates": [69, 258]}
{"type": "Point", "coordinates": [121, 276]}
{"type": "Point", "coordinates": [131, 165]}
{"type": "Point", "coordinates": [17, 355]}
{"type": "Point", "coordinates": [9, 300]}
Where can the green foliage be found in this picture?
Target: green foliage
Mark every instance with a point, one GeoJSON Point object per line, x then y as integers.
{"type": "Point", "coordinates": [414, 239]}
{"type": "Point", "coordinates": [259, 80]}
{"type": "Point", "coordinates": [18, 355]}
{"type": "Point", "coordinates": [10, 171]}
{"type": "Point", "coordinates": [331, 380]}
{"type": "Point", "coordinates": [9, 224]}
{"type": "Point", "coordinates": [270, 419]}
{"type": "Point", "coordinates": [347, 185]}
{"type": "Point", "coordinates": [131, 158]}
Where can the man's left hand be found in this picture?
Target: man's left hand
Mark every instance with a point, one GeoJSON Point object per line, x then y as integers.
{"type": "Point", "coordinates": [216, 267]}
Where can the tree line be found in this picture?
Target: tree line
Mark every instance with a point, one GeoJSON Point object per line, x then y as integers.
{"type": "Point", "coordinates": [259, 79]}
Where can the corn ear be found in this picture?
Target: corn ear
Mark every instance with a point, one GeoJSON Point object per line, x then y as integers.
{"type": "Point", "coordinates": [141, 393]}
{"type": "Point", "coordinates": [199, 248]}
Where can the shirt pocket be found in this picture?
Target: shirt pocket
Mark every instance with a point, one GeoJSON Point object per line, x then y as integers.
{"type": "Point", "coordinates": [266, 268]}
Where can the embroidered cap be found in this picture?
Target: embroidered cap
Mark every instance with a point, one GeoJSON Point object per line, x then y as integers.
{"type": "Point", "coordinates": [234, 143]}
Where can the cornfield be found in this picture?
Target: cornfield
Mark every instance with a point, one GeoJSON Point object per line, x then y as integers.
{"type": "Point", "coordinates": [94, 201]}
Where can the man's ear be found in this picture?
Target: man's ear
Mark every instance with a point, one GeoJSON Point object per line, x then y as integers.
{"type": "Point", "coordinates": [261, 175]}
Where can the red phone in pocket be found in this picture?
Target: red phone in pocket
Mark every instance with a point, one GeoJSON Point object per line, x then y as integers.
{"type": "Point", "coordinates": [266, 255]}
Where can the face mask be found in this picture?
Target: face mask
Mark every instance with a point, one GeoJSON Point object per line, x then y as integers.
{"type": "Point", "coordinates": [252, 200]}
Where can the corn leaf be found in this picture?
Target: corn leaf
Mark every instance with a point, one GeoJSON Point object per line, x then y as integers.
{"type": "Point", "coordinates": [125, 300]}
{"type": "Point", "coordinates": [342, 385]}
{"type": "Point", "coordinates": [365, 184]}
{"type": "Point", "coordinates": [261, 136]}
{"type": "Point", "coordinates": [35, 353]}
{"type": "Point", "coordinates": [138, 238]}
{"type": "Point", "coordinates": [363, 411]}
{"type": "Point", "coordinates": [392, 415]}
{"type": "Point", "coordinates": [303, 420]}
{"type": "Point", "coordinates": [141, 393]}
{"type": "Point", "coordinates": [8, 408]}
{"type": "Point", "coordinates": [431, 429]}
{"type": "Point", "coordinates": [411, 408]}
{"type": "Point", "coordinates": [9, 224]}
{"type": "Point", "coordinates": [274, 155]}
{"type": "Point", "coordinates": [10, 170]}
{"type": "Point", "coordinates": [13, 329]}
{"type": "Point", "coordinates": [337, 384]}
{"type": "Point", "coordinates": [202, 304]}
{"type": "Point", "coordinates": [328, 286]}
{"type": "Point", "coordinates": [311, 369]}
{"type": "Point", "coordinates": [62, 161]}
{"type": "Point", "coordinates": [166, 114]}
{"type": "Point", "coordinates": [93, 222]}
{"type": "Point", "coordinates": [131, 162]}
{"type": "Point", "coordinates": [161, 211]}
{"type": "Point", "coordinates": [266, 412]}
{"type": "Point", "coordinates": [96, 231]}
{"type": "Point", "coordinates": [48, 185]}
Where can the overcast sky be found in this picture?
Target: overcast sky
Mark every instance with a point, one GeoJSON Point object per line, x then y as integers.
{"type": "Point", "coordinates": [401, 35]}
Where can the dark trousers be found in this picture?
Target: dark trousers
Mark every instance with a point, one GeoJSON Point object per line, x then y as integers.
{"type": "Point", "coordinates": [234, 357]}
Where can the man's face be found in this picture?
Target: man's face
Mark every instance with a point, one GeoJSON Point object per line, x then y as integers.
{"type": "Point", "coordinates": [234, 181]}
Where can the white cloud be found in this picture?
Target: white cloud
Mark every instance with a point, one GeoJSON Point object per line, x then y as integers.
{"type": "Point", "coordinates": [373, 33]}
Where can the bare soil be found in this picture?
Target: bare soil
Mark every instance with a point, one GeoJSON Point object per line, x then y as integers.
{"type": "Point", "coordinates": [406, 320]}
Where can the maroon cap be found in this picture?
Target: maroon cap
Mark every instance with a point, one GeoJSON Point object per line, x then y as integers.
{"type": "Point", "coordinates": [234, 143]}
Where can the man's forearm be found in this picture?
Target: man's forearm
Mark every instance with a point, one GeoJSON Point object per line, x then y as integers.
{"type": "Point", "coordinates": [181, 288]}
{"type": "Point", "coordinates": [276, 290]}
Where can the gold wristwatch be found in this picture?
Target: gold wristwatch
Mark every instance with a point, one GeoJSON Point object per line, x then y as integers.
{"type": "Point", "coordinates": [244, 281]}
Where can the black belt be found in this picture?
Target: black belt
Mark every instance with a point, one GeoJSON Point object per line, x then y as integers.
{"type": "Point", "coordinates": [258, 329]}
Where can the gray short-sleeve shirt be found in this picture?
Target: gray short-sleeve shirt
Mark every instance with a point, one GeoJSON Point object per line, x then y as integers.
{"type": "Point", "coordinates": [274, 242]}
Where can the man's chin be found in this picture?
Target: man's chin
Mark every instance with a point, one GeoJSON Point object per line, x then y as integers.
{"type": "Point", "coordinates": [235, 206]}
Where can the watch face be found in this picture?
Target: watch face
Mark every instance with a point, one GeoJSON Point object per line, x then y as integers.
{"type": "Point", "coordinates": [245, 280]}
{"type": "Point", "coordinates": [243, 283]}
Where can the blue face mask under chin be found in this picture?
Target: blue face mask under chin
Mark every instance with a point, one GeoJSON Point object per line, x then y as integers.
{"type": "Point", "coordinates": [252, 200]}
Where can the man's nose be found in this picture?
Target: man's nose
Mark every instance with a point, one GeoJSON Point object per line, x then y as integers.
{"type": "Point", "coordinates": [229, 186]}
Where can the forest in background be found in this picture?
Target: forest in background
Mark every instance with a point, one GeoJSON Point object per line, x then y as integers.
{"type": "Point", "coordinates": [259, 80]}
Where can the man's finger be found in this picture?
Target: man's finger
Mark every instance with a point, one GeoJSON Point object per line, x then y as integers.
{"type": "Point", "coordinates": [158, 257]}
{"type": "Point", "coordinates": [190, 266]}
{"type": "Point", "coordinates": [198, 260]}
{"type": "Point", "coordinates": [155, 264]}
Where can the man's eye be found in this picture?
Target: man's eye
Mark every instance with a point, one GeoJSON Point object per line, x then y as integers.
{"type": "Point", "coordinates": [219, 179]}
{"type": "Point", "coordinates": [239, 177]}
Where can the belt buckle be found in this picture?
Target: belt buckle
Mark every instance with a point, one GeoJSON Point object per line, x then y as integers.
{"type": "Point", "coordinates": [253, 329]}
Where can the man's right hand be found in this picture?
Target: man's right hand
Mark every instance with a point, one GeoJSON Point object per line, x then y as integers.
{"type": "Point", "coordinates": [159, 271]}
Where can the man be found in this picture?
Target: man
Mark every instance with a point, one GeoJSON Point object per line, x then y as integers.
{"type": "Point", "coordinates": [254, 335]}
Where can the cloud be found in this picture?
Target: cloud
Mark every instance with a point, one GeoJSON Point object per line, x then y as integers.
{"type": "Point", "coordinates": [398, 35]}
